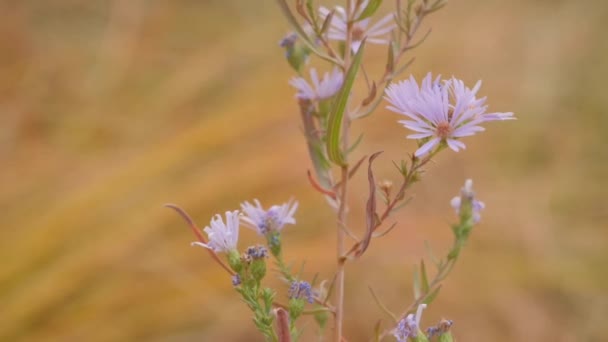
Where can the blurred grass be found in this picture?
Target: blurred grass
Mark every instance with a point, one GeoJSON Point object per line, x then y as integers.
{"type": "Point", "coordinates": [108, 109]}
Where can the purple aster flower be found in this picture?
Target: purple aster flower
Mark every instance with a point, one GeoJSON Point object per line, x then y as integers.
{"type": "Point", "coordinates": [376, 34]}
{"type": "Point", "coordinates": [271, 220]}
{"type": "Point", "coordinates": [467, 194]}
{"type": "Point", "coordinates": [222, 237]}
{"type": "Point", "coordinates": [440, 111]}
{"type": "Point", "coordinates": [319, 90]}
{"type": "Point", "coordinates": [301, 290]}
{"type": "Point", "coordinates": [409, 326]}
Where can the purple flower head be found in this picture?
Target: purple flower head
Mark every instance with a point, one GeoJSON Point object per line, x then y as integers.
{"type": "Point", "coordinates": [439, 329]}
{"type": "Point", "coordinates": [289, 41]}
{"type": "Point", "coordinates": [271, 220]}
{"type": "Point", "coordinates": [301, 290]}
{"type": "Point", "coordinates": [467, 194]}
{"type": "Point", "coordinates": [409, 326]}
{"type": "Point", "coordinates": [256, 252]}
{"type": "Point", "coordinates": [440, 111]}
{"type": "Point", "coordinates": [236, 280]}
{"type": "Point", "coordinates": [319, 89]}
{"type": "Point", "coordinates": [222, 237]}
{"type": "Point", "coordinates": [376, 34]}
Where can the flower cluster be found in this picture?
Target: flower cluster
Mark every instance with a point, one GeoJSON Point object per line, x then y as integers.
{"type": "Point", "coordinates": [223, 237]}
{"type": "Point", "coordinates": [255, 253]}
{"type": "Point", "coordinates": [442, 328]}
{"type": "Point", "coordinates": [300, 289]}
{"type": "Point", "coordinates": [439, 112]}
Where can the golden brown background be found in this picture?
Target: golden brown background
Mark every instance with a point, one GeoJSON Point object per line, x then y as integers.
{"type": "Point", "coordinates": [108, 109]}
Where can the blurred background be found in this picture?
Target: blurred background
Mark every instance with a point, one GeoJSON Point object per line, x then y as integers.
{"type": "Point", "coordinates": [108, 109]}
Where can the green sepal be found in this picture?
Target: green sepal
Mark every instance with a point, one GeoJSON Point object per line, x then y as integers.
{"type": "Point", "coordinates": [274, 243]}
{"type": "Point", "coordinates": [420, 337]}
{"type": "Point", "coordinates": [296, 307]}
{"type": "Point", "coordinates": [321, 317]}
{"type": "Point", "coordinates": [234, 260]}
{"type": "Point", "coordinates": [258, 269]}
{"type": "Point", "coordinates": [446, 337]}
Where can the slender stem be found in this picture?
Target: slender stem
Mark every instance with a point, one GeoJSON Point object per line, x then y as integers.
{"type": "Point", "coordinates": [441, 275]}
{"type": "Point", "coordinates": [340, 256]}
{"type": "Point", "coordinates": [341, 222]}
{"type": "Point", "coordinates": [349, 34]}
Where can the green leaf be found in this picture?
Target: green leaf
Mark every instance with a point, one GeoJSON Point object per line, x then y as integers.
{"type": "Point", "coordinates": [370, 9]}
{"type": "Point", "coordinates": [431, 297]}
{"type": "Point", "coordinates": [355, 144]}
{"type": "Point", "coordinates": [417, 287]}
{"type": "Point", "coordinates": [336, 115]}
{"type": "Point", "coordinates": [377, 331]}
{"type": "Point", "coordinates": [310, 8]}
{"type": "Point", "coordinates": [429, 252]}
{"type": "Point", "coordinates": [423, 277]}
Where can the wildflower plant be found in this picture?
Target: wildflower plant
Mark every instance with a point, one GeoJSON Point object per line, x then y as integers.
{"type": "Point", "coordinates": [438, 112]}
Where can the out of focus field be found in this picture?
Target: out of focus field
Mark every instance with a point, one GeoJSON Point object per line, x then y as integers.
{"type": "Point", "coordinates": [108, 109]}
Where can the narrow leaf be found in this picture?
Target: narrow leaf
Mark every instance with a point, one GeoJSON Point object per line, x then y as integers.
{"type": "Point", "coordinates": [336, 115]}
{"type": "Point", "coordinates": [431, 297]}
{"type": "Point", "coordinates": [370, 209]}
{"type": "Point", "coordinates": [355, 144]}
{"type": "Point", "coordinates": [327, 22]}
{"type": "Point", "coordinates": [377, 331]}
{"type": "Point", "coordinates": [382, 306]}
{"type": "Point", "coordinates": [423, 277]}
{"type": "Point", "coordinates": [370, 9]}
{"type": "Point", "coordinates": [416, 287]}
{"type": "Point", "coordinates": [430, 253]}
{"type": "Point", "coordinates": [311, 10]}
{"type": "Point", "coordinates": [370, 97]}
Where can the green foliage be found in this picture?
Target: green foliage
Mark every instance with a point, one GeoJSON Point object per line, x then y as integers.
{"type": "Point", "coordinates": [336, 116]}
{"type": "Point", "coordinates": [370, 9]}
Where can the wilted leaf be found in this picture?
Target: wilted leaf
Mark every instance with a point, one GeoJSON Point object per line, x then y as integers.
{"type": "Point", "coordinates": [370, 209]}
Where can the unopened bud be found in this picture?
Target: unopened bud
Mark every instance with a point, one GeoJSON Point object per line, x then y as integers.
{"type": "Point", "coordinates": [386, 186]}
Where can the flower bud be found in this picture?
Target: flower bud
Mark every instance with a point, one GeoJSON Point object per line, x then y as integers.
{"type": "Point", "coordinates": [296, 307]}
{"type": "Point", "coordinates": [274, 243]}
{"type": "Point", "coordinates": [234, 260]}
{"type": "Point", "coordinates": [258, 269]}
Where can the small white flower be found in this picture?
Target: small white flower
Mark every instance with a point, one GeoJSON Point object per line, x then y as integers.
{"type": "Point", "coordinates": [319, 90]}
{"type": "Point", "coordinates": [376, 34]}
{"type": "Point", "coordinates": [222, 237]}
{"type": "Point", "coordinates": [271, 220]}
